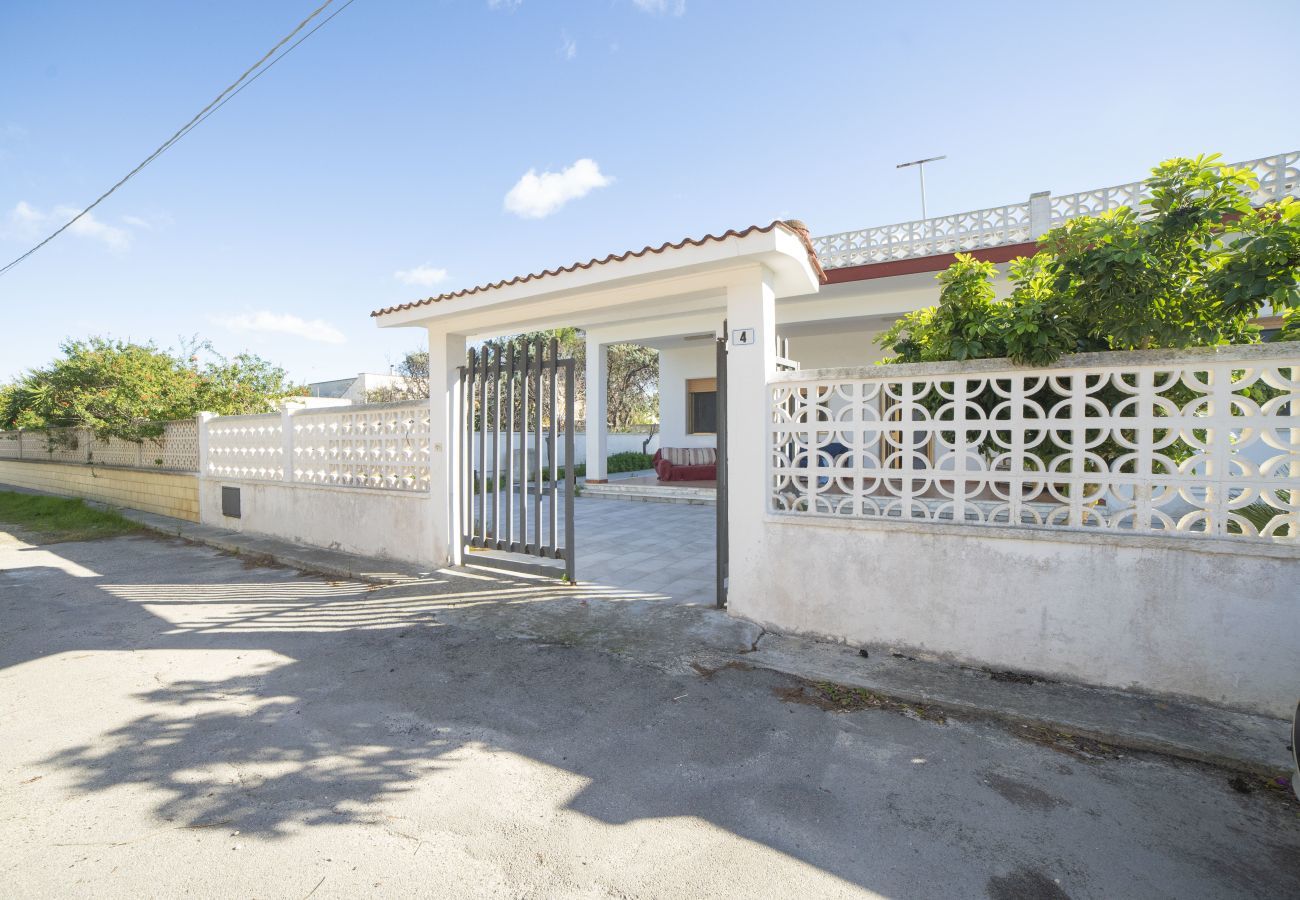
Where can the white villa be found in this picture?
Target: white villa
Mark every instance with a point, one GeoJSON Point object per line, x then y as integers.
{"type": "Point", "coordinates": [833, 295]}
{"type": "Point", "coordinates": [871, 504]}
{"type": "Point", "coordinates": [945, 535]}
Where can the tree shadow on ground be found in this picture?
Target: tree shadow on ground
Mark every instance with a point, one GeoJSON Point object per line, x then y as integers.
{"type": "Point", "coordinates": [358, 697]}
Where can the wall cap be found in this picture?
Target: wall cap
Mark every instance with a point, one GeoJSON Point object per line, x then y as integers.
{"type": "Point", "coordinates": [1225, 546]}
{"type": "Point", "coordinates": [1284, 352]}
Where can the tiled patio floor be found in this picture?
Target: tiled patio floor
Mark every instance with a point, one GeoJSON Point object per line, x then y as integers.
{"type": "Point", "coordinates": [662, 548]}
{"type": "Point", "coordinates": [651, 548]}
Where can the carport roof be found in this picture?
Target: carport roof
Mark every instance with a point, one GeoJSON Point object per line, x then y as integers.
{"type": "Point", "coordinates": [793, 226]}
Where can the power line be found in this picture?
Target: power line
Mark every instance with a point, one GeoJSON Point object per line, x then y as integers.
{"type": "Point", "coordinates": [219, 101]}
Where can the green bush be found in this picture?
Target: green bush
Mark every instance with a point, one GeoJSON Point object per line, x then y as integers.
{"type": "Point", "coordinates": [631, 461]}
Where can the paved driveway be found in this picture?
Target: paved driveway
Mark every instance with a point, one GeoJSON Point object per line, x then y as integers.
{"type": "Point", "coordinates": [661, 548]}
{"type": "Point", "coordinates": [174, 721]}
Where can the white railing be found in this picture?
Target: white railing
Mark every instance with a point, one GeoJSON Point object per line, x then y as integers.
{"type": "Point", "coordinates": [177, 449]}
{"type": "Point", "coordinates": [1279, 176]}
{"type": "Point", "coordinates": [1201, 442]}
{"type": "Point", "coordinates": [382, 445]}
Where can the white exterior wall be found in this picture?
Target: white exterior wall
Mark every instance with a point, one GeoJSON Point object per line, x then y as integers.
{"type": "Point", "coordinates": [675, 367]}
{"type": "Point", "coordinates": [371, 381]}
{"type": "Point", "coordinates": [616, 442]}
{"type": "Point", "coordinates": [389, 524]}
{"type": "Point", "coordinates": [1161, 614]}
{"type": "Point", "coordinates": [851, 347]}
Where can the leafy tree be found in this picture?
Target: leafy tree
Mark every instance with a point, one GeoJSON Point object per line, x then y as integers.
{"type": "Point", "coordinates": [245, 384]}
{"type": "Point", "coordinates": [1192, 268]}
{"type": "Point", "coordinates": [633, 376]}
{"type": "Point", "coordinates": [127, 390]}
{"type": "Point", "coordinates": [414, 370]}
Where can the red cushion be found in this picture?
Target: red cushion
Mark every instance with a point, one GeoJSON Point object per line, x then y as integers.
{"type": "Point", "coordinates": [668, 472]}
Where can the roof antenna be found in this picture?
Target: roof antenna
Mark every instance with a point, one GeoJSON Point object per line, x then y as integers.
{"type": "Point", "coordinates": [920, 168]}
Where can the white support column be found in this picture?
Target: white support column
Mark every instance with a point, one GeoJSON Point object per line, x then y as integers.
{"type": "Point", "coordinates": [597, 423]}
{"type": "Point", "coordinates": [446, 356]}
{"type": "Point", "coordinates": [1040, 214]}
{"type": "Point", "coordinates": [286, 437]}
{"type": "Point", "coordinates": [751, 312]}
{"type": "Point", "coordinates": [203, 419]}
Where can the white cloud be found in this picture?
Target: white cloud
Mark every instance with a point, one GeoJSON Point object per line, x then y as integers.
{"type": "Point", "coordinates": [421, 276]}
{"type": "Point", "coordinates": [266, 322]}
{"type": "Point", "coordinates": [510, 5]}
{"type": "Point", "coordinates": [661, 7]}
{"type": "Point", "coordinates": [537, 196]}
{"type": "Point", "coordinates": [568, 47]}
{"type": "Point", "coordinates": [28, 223]}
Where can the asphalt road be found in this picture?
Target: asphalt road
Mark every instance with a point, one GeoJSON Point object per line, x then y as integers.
{"type": "Point", "coordinates": [174, 721]}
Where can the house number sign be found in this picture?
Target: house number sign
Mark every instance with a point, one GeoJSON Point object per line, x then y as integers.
{"type": "Point", "coordinates": [742, 337]}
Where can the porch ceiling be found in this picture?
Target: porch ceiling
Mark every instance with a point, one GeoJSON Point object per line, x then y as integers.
{"type": "Point", "coordinates": [672, 281]}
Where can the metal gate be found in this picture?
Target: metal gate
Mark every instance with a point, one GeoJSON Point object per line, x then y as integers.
{"type": "Point", "coordinates": [722, 557]}
{"type": "Point", "coordinates": [515, 398]}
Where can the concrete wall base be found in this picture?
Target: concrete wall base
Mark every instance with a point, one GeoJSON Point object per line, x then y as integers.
{"type": "Point", "coordinates": [174, 494]}
{"type": "Point", "coordinates": [1208, 620]}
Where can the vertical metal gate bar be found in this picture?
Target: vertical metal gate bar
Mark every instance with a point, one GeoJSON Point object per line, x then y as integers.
{"type": "Point", "coordinates": [505, 539]}
{"type": "Point", "coordinates": [523, 447]}
{"type": "Point", "coordinates": [722, 561]}
{"type": "Point", "coordinates": [538, 409]}
{"type": "Point", "coordinates": [480, 429]}
{"type": "Point", "coordinates": [471, 396]}
{"type": "Point", "coordinates": [569, 479]}
{"type": "Point", "coordinates": [553, 517]}
{"type": "Point", "coordinates": [496, 448]}
{"type": "Point", "coordinates": [462, 429]}
{"type": "Point", "coordinates": [494, 380]}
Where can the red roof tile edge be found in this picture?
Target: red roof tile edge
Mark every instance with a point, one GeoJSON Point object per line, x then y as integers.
{"type": "Point", "coordinates": [795, 227]}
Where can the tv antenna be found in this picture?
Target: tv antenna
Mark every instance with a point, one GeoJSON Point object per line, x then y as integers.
{"type": "Point", "coordinates": [920, 168]}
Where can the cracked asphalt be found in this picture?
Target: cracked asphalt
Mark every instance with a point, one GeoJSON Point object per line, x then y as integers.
{"type": "Point", "coordinates": [174, 721]}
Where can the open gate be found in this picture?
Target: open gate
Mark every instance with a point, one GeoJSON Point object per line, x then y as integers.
{"type": "Point", "coordinates": [722, 556]}
{"type": "Point", "coordinates": [515, 397]}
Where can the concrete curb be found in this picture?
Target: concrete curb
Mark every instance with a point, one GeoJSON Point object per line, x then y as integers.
{"type": "Point", "coordinates": [328, 563]}
{"type": "Point", "coordinates": [1227, 739]}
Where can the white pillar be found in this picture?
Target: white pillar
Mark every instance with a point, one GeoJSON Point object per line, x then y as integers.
{"type": "Point", "coordinates": [1040, 214]}
{"type": "Point", "coordinates": [446, 356]}
{"type": "Point", "coordinates": [286, 442]}
{"type": "Point", "coordinates": [597, 422]}
{"type": "Point", "coordinates": [203, 419]}
{"type": "Point", "coordinates": [751, 309]}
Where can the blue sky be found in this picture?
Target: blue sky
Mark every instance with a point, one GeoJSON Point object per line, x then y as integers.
{"type": "Point", "coordinates": [389, 142]}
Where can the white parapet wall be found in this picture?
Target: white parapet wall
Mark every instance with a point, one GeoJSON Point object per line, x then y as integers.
{"type": "Point", "coordinates": [1148, 613]}
{"type": "Point", "coordinates": [354, 478]}
{"type": "Point", "coordinates": [371, 522]}
{"type": "Point", "coordinates": [1129, 520]}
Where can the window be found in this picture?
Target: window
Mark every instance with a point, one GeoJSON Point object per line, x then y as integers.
{"type": "Point", "coordinates": [701, 406]}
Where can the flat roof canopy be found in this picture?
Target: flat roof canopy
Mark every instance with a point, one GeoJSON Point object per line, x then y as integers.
{"type": "Point", "coordinates": [687, 277]}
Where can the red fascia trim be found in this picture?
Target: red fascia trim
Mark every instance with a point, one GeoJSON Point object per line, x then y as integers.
{"type": "Point", "coordinates": [1002, 254]}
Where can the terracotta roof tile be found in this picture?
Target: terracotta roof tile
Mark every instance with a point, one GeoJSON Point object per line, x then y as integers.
{"type": "Point", "coordinates": [793, 226]}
